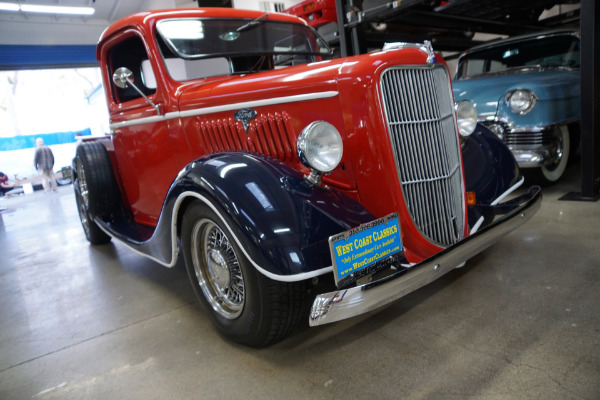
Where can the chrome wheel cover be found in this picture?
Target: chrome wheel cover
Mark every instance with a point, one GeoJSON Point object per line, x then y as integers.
{"type": "Point", "coordinates": [555, 170]}
{"type": "Point", "coordinates": [217, 269]}
{"type": "Point", "coordinates": [83, 187]}
{"type": "Point", "coordinates": [83, 215]}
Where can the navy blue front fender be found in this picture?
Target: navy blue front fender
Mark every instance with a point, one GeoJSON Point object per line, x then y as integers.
{"type": "Point", "coordinates": [490, 171]}
{"type": "Point", "coordinates": [281, 221]}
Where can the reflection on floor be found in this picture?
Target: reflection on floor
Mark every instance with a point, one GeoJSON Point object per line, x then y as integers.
{"type": "Point", "coordinates": [521, 320]}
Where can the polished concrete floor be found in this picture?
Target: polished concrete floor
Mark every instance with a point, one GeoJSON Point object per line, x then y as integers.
{"type": "Point", "coordinates": [519, 321]}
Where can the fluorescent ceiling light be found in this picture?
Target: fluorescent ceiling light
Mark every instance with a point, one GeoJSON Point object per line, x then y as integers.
{"type": "Point", "coordinates": [47, 9]}
{"type": "Point", "coordinates": [9, 7]}
{"type": "Point", "coordinates": [57, 9]}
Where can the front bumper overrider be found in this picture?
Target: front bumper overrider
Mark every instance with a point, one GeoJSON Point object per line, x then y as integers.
{"type": "Point", "coordinates": [347, 303]}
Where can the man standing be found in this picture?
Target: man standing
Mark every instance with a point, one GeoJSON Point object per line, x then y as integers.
{"type": "Point", "coordinates": [44, 162]}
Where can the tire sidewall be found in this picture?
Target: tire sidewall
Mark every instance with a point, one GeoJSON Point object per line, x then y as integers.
{"type": "Point", "coordinates": [103, 192]}
{"type": "Point", "coordinates": [103, 195]}
{"type": "Point", "coordinates": [253, 322]}
{"type": "Point", "coordinates": [551, 176]}
{"type": "Point", "coordinates": [93, 233]}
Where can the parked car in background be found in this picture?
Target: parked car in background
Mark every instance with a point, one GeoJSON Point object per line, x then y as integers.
{"type": "Point", "coordinates": [527, 90]}
{"type": "Point", "coordinates": [286, 178]}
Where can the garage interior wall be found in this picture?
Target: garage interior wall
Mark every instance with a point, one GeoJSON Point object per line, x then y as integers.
{"type": "Point", "coordinates": [25, 42]}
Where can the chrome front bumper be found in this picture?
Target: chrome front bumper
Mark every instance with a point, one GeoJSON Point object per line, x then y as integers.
{"type": "Point", "coordinates": [347, 303]}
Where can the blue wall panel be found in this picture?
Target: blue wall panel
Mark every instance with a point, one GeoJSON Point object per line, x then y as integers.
{"type": "Point", "coordinates": [37, 56]}
{"type": "Point", "coordinates": [28, 141]}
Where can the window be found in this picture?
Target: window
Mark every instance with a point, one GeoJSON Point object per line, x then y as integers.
{"type": "Point", "coordinates": [130, 54]}
{"type": "Point", "coordinates": [547, 52]}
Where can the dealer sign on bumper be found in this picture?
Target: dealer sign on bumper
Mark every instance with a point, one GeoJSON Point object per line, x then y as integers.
{"type": "Point", "coordinates": [365, 249]}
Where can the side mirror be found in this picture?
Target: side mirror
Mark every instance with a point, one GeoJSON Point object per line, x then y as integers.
{"type": "Point", "coordinates": [121, 78]}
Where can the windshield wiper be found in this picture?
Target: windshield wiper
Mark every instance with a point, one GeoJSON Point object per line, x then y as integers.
{"type": "Point", "coordinates": [252, 23]}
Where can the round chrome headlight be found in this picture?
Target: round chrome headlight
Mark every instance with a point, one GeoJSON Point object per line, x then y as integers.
{"type": "Point", "coordinates": [320, 146]}
{"type": "Point", "coordinates": [466, 116]}
{"type": "Point", "coordinates": [521, 101]}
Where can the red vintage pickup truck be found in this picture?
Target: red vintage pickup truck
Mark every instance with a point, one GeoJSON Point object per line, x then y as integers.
{"type": "Point", "coordinates": [284, 177]}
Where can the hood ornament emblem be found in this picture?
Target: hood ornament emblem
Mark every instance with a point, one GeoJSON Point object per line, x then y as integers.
{"type": "Point", "coordinates": [428, 48]}
{"type": "Point", "coordinates": [245, 115]}
{"type": "Point", "coordinates": [425, 47]}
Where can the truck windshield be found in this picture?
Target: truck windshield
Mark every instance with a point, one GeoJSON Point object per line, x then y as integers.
{"type": "Point", "coordinates": [282, 43]}
{"type": "Point", "coordinates": [546, 52]}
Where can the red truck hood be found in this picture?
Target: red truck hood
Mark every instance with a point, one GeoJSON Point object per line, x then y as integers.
{"type": "Point", "coordinates": [273, 86]}
{"type": "Point", "coordinates": [291, 81]}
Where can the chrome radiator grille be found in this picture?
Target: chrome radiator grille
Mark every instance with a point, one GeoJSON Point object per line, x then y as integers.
{"type": "Point", "coordinates": [420, 118]}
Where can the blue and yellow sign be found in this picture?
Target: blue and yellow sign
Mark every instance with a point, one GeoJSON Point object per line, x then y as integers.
{"type": "Point", "coordinates": [363, 246]}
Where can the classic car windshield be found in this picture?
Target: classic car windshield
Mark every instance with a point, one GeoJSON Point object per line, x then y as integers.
{"type": "Point", "coordinates": [285, 43]}
{"type": "Point", "coordinates": [546, 52]}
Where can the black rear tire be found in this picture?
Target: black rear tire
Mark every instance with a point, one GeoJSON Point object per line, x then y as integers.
{"type": "Point", "coordinates": [244, 305]}
{"type": "Point", "coordinates": [96, 190]}
{"type": "Point", "coordinates": [93, 233]}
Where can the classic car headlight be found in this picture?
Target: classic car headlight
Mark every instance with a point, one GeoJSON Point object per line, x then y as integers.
{"type": "Point", "coordinates": [466, 115]}
{"type": "Point", "coordinates": [521, 101]}
{"type": "Point", "coordinates": [320, 146]}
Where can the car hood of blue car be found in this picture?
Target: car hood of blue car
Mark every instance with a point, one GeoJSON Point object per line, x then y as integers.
{"type": "Point", "coordinates": [486, 91]}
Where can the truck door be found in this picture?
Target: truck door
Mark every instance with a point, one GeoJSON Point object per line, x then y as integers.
{"type": "Point", "coordinates": [142, 146]}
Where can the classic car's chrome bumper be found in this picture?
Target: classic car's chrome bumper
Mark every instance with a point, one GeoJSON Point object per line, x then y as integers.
{"type": "Point", "coordinates": [532, 158]}
{"type": "Point", "coordinates": [532, 146]}
{"type": "Point", "coordinates": [346, 303]}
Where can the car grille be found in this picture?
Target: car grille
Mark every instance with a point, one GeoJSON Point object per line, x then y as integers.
{"type": "Point", "coordinates": [528, 138]}
{"type": "Point", "coordinates": [420, 116]}
{"type": "Point", "coordinates": [269, 134]}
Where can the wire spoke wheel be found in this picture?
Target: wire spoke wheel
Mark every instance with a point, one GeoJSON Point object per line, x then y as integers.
{"type": "Point", "coordinates": [243, 304]}
{"type": "Point", "coordinates": [217, 269]}
{"type": "Point", "coordinates": [83, 215]}
{"type": "Point", "coordinates": [82, 182]}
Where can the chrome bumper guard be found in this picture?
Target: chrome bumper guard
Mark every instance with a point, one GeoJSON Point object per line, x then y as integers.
{"type": "Point", "coordinates": [532, 158]}
{"type": "Point", "coordinates": [347, 303]}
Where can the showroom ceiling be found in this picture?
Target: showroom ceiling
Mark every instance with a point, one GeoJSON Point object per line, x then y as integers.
{"type": "Point", "coordinates": [25, 28]}
{"type": "Point", "coordinates": [35, 40]}
{"type": "Point", "coordinates": [104, 10]}
{"type": "Point", "coordinates": [451, 25]}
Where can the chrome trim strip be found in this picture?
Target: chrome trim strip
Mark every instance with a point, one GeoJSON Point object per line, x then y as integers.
{"type": "Point", "coordinates": [165, 263]}
{"type": "Point", "coordinates": [498, 200]}
{"type": "Point", "coordinates": [343, 304]}
{"type": "Point", "coordinates": [259, 103]}
{"type": "Point", "coordinates": [509, 191]}
{"type": "Point", "coordinates": [141, 121]}
{"type": "Point", "coordinates": [226, 107]}
{"type": "Point", "coordinates": [477, 225]}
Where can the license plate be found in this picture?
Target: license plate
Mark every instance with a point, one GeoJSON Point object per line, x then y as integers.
{"type": "Point", "coordinates": [364, 249]}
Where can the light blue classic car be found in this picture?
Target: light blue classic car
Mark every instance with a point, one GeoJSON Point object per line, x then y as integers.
{"type": "Point", "coordinates": [527, 90]}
